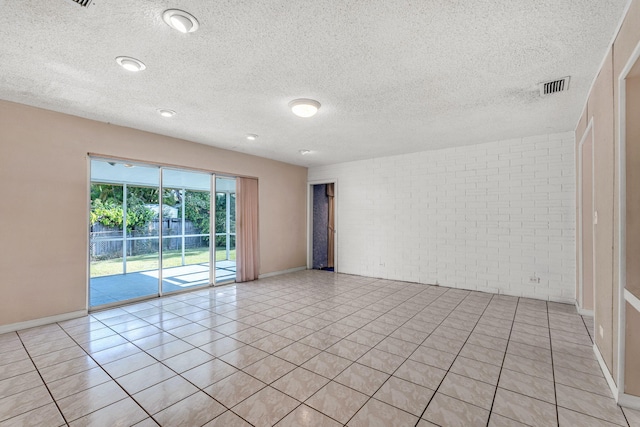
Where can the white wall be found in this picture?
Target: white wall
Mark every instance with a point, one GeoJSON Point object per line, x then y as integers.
{"type": "Point", "coordinates": [484, 217]}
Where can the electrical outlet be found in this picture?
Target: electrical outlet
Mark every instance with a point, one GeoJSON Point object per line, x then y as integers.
{"type": "Point", "coordinates": [601, 331]}
{"type": "Point", "coordinates": [534, 279]}
{"type": "Point", "coordinates": [437, 283]}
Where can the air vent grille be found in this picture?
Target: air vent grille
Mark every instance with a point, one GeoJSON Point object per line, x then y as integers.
{"type": "Point", "coordinates": [83, 3]}
{"type": "Point", "coordinates": [554, 86]}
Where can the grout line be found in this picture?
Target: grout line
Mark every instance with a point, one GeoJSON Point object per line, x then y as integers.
{"type": "Point", "coordinates": [495, 393]}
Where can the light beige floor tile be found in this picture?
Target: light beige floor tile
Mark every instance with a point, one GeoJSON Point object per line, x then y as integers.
{"type": "Point", "coordinates": [269, 369]}
{"type": "Point", "coordinates": [524, 408]}
{"type": "Point", "coordinates": [405, 395]}
{"type": "Point", "coordinates": [25, 401]}
{"type": "Point", "coordinates": [300, 384]}
{"type": "Point", "coordinates": [486, 341]}
{"type": "Point", "coordinates": [381, 360]}
{"type": "Point", "coordinates": [222, 346]}
{"type": "Point", "coordinates": [128, 364]}
{"type": "Point", "coordinates": [227, 419]}
{"type": "Point", "coordinates": [397, 346]}
{"type": "Point", "coordinates": [447, 411]}
{"type": "Point", "coordinates": [145, 377]}
{"type": "Point", "coordinates": [591, 404]}
{"type": "Point", "coordinates": [65, 369]}
{"type": "Point", "coordinates": [203, 337]}
{"type": "Point", "coordinates": [13, 356]}
{"type": "Point", "coordinates": [297, 353]}
{"type": "Point", "coordinates": [569, 418]}
{"type": "Point", "coordinates": [103, 343]}
{"type": "Point", "coordinates": [143, 332]}
{"type": "Point", "coordinates": [234, 389]}
{"type": "Point", "coordinates": [125, 412]}
{"type": "Point", "coordinates": [529, 352]}
{"type": "Point", "coordinates": [320, 340]}
{"type": "Point", "coordinates": [528, 366]}
{"type": "Point", "coordinates": [170, 349]}
{"type": "Point", "coordinates": [162, 395]}
{"type": "Point", "coordinates": [337, 401]}
{"type": "Point", "coordinates": [195, 410]}
{"type": "Point", "coordinates": [420, 373]}
{"type": "Point", "coordinates": [89, 400]}
{"type": "Point", "coordinates": [48, 415]}
{"type": "Point", "coordinates": [482, 354]}
{"type": "Point", "coordinates": [272, 343]}
{"type": "Point", "coordinates": [244, 356]}
{"type": "Point", "coordinates": [327, 364]}
{"type": "Point", "coordinates": [431, 356]}
{"type": "Point", "coordinates": [348, 349]}
{"type": "Point", "coordinates": [55, 357]}
{"type": "Point", "coordinates": [115, 353]}
{"type": "Point", "coordinates": [472, 391]}
{"type": "Point", "coordinates": [78, 382]}
{"type": "Point", "coordinates": [581, 364]}
{"type": "Point", "coordinates": [266, 407]}
{"type": "Point", "coordinates": [364, 337]}
{"type": "Point", "coordinates": [528, 385]}
{"type": "Point", "coordinates": [187, 360]}
{"type": "Point", "coordinates": [16, 368]}
{"type": "Point", "coordinates": [633, 416]}
{"type": "Point", "coordinates": [156, 340]}
{"type": "Point", "coordinates": [500, 421]}
{"type": "Point", "coordinates": [443, 343]}
{"type": "Point", "coordinates": [304, 416]}
{"type": "Point", "coordinates": [362, 378]}
{"type": "Point", "coordinates": [379, 414]}
{"type": "Point", "coordinates": [19, 383]}
{"type": "Point", "coordinates": [477, 370]}
{"type": "Point", "coordinates": [209, 373]}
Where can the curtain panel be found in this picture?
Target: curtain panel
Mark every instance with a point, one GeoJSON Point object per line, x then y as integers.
{"type": "Point", "coordinates": [247, 239]}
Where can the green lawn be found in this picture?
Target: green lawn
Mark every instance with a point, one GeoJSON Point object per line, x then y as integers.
{"type": "Point", "coordinates": [150, 261]}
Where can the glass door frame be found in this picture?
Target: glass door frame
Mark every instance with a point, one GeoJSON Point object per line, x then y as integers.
{"type": "Point", "coordinates": [212, 231]}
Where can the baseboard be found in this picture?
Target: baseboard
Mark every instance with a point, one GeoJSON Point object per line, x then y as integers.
{"type": "Point", "coordinates": [629, 401]}
{"type": "Point", "coordinates": [278, 273]}
{"type": "Point", "coordinates": [42, 321]}
{"type": "Point", "coordinates": [607, 375]}
{"type": "Point", "coordinates": [583, 312]}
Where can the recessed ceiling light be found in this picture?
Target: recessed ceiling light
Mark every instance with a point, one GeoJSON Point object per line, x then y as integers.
{"type": "Point", "coordinates": [128, 165]}
{"type": "Point", "coordinates": [166, 113]}
{"type": "Point", "coordinates": [304, 107]}
{"type": "Point", "coordinates": [130, 64]}
{"type": "Point", "coordinates": [180, 20]}
{"type": "Point", "coordinates": [252, 136]}
{"type": "Point", "coordinates": [305, 152]}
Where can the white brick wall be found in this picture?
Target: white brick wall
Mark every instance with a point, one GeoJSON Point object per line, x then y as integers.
{"type": "Point", "coordinates": [485, 217]}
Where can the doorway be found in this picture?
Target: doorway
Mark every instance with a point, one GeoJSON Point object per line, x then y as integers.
{"type": "Point", "coordinates": [322, 233]}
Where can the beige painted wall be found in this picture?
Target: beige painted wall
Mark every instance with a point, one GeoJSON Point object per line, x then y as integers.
{"type": "Point", "coordinates": [602, 107]}
{"type": "Point", "coordinates": [587, 223]}
{"type": "Point", "coordinates": [43, 212]}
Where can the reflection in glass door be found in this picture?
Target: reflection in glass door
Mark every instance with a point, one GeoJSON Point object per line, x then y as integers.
{"type": "Point", "coordinates": [225, 219]}
{"type": "Point", "coordinates": [123, 232]}
{"type": "Point", "coordinates": [186, 219]}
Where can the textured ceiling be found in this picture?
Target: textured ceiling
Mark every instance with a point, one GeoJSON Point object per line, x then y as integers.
{"type": "Point", "coordinates": [393, 76]}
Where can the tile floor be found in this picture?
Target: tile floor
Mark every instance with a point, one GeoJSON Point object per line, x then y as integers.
{"type": "Point", "coordinates": [311, 349]}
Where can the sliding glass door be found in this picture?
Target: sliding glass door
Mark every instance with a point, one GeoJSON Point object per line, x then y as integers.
{"type": "Point", "coordinates": [186, 227]}
{"type": "Point", "coordinates": [123, 241]}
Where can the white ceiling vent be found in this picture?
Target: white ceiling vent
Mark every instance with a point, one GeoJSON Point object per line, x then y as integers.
{"type": "Point", "coordinates": [83, 3]}
{"type": "Point", "coordinates": [554, 86]}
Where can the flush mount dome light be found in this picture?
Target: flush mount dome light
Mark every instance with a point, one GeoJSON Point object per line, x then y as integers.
{"type": "Point", "coordinates": [130, 64]}
{"type": "Point", "coordinates": [180, 20]}
{"type": "Point", "coordinates": [304, 107]}
{"type": "Point", "coordinates": [305, 152]}
{"type": "Point", "coordinates": [252, 136]}
{"type": "Point", "coordinates": [166, 113]}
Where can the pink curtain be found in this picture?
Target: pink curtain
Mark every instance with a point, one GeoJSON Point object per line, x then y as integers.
{"type": "Point", "coordinates": [247, 244]}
